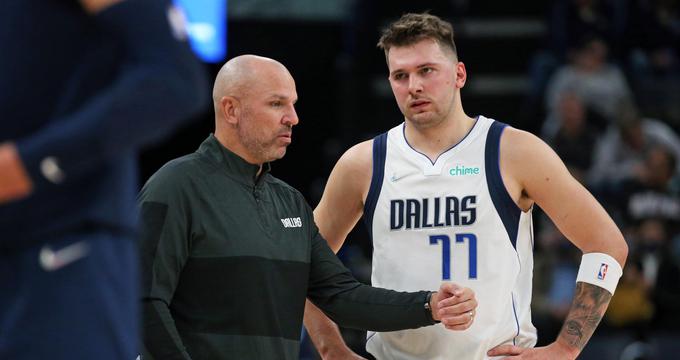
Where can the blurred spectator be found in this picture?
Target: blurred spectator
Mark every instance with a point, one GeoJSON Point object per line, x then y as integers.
{"type": "Point", "coordinates": [650, 195]}
{"type": "Point", "coordinates": [574, 139]}
{"type": "Point", "coordinates": [620, 153]}
{"type": "Point", "coordinates": [601, 85]}
{"type": "Point", "coordinates": [568, 23]}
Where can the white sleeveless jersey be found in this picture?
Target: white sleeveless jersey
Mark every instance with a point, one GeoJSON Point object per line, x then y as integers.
{"type": "Point", "coordinates": [451, 220]}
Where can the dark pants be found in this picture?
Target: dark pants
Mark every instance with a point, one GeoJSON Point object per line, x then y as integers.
{"type": "Point", "coordinates": [74, 298]}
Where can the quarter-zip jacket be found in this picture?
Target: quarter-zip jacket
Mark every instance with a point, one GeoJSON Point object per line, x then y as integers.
{"type": "Point", "coordinates": [229, 258]}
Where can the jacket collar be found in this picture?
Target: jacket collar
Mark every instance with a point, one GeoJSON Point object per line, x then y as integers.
{"type": "Point", "coordinates": [234, 165]}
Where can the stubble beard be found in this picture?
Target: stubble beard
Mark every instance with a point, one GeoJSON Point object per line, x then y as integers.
{"type": "Point", "coordinates": [429, 119]}
{"type": "Point", "coordinates": [249, 133]}
{"type": "Point", "coordinates": [424, 121]}
{"type": "Point", "coordinates": [264, 151]}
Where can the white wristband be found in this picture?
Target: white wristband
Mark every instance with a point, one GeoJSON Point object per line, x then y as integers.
{"type": "Point", "coordinates": [600, 270]}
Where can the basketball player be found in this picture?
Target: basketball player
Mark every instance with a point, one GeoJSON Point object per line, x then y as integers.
{"type": "Point", "coordinates": [446, 197]}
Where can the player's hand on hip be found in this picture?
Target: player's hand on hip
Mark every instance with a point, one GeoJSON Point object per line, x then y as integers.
{"type": "Point", "coordinates": [553, 351]}
{"type": "Point", "coordinates": [455, 306]}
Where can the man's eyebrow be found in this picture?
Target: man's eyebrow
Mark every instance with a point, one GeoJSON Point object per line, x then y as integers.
{"type": "Point", "coordinates": [427, 64]}
{"type": "Point", "coordinates": [281, 97]}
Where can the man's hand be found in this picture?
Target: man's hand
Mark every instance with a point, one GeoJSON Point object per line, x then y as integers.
{"type": "Point", "coordinates": [589, 305]}
{"type": "Point", "coordinates": [14, 180]}
{"type": "Point", "coordinates": [555, 351]}
{"type": "Point", "coordinates": [454, 306]}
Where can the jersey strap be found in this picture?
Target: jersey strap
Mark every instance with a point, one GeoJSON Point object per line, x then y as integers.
{"type": "Point", "coordinates": [379, 154]}
{"type": "Point", "coordinates": [505, 206]}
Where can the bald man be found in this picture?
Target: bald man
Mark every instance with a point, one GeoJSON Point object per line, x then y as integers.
{"type": "Point", "coordinates": [230, 252]}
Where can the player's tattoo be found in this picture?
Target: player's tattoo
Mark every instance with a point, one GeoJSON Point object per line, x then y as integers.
{"type": "Point", "coordinates": [587, 309]}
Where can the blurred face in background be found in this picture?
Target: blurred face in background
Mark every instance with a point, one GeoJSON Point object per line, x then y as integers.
{"type": "Point", "coordinates": [592, 56]}
{"type": "Point", "coordinates": [660, 167]}
{"type": "Point", "coordinates": [572, 114]}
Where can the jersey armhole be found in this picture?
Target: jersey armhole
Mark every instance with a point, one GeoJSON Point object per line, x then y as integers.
{"type": "Point", "coordinates": [505, 206]}
{"type": "Point", "coordinates": [379, 155]}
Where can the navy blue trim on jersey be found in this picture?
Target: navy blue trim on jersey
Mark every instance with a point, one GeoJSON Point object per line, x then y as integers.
{"type": "Point", "coordinates": [514, 313]}
{"type": "Point", "coordinates": [505, 206]}
{"type": "Point", "coordinates": [379, 154]}
{"type": "Point", "coordinates": [403, 130]}
{"type": "Point", "coordinates": [531, 232]}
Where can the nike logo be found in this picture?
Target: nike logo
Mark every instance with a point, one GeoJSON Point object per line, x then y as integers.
{"type": "Point", "coordinates": [396, 177]}
{"type": "Point", "coordinates": [51, 260]}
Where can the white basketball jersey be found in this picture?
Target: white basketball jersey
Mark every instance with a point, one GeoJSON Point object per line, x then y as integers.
{"type": "Point", "coordinates": [451, 220]}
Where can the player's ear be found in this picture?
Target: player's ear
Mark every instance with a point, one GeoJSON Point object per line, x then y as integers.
{"type": "Point", "coordinates": [231, 109]}
{"type": "Point", "coordinates": [461, 74]}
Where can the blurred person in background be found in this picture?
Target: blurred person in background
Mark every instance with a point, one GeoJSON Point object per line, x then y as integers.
{"type": "Point", "coordinates": [620, 153]}
{"type": "Point", "coordinates": [575, 138]}
{"type": "Point", "coordinates": [567, 22]}
{"type": "Point", "coordinates": [83, 87]}
{"type": "Point", "coordinates": [601, 85]}
{"type": "Point", "coordinates": [651, 193]}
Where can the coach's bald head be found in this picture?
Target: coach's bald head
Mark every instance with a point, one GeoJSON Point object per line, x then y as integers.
{"type": "Point", "coordinates": [254, 99]}
{"type": "Point", "coordinates": [240, 75]}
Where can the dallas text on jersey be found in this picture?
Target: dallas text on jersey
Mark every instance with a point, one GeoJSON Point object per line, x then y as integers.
{"type": "Point", "coordinates": [415, 213]}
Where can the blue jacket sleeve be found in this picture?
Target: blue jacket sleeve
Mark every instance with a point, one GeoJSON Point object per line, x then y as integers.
{"type": "Point", "coordinates": [159, 85]}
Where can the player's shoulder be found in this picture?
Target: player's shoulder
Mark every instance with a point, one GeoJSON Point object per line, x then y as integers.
{"type": "Point", "coordinates": [358, 158]}
{"type": "Point", "coordinates": [519, 142]}
{"type": "Point", "coordinates": [525, 154]}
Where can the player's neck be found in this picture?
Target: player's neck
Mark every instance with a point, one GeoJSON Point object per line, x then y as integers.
{"type": "Point", "coordinates": [434, 140]}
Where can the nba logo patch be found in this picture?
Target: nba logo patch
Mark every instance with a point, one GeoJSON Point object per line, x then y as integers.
{"type": "Point", "coordinates": [603, 271]}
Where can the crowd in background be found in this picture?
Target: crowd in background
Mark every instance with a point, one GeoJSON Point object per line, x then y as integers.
{"type": "Point", "coordinates": [610, 85]}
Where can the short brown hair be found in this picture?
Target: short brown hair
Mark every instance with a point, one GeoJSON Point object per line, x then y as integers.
{"type": "Point", "coordinates": [412, 28]}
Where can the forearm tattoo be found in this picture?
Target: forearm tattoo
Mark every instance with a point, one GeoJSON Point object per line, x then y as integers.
{"type": "Point", "coordinates": [587, 309]}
